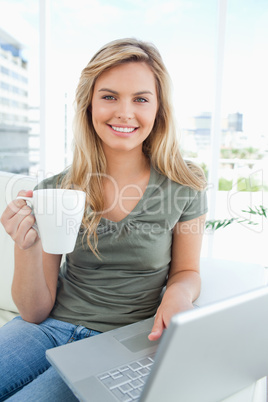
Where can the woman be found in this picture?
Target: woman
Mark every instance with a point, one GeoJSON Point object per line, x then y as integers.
{"type": "Point", "coordinates": [141, 231]}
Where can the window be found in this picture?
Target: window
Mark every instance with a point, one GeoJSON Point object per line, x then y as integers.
{"type": "Point", "coordinates": [243, 159]}
{"type": "Point", "coordinates": [19, 48]}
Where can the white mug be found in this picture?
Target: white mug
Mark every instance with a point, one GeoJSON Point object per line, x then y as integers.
{"type": "Point", "coordinates": [58, 214]}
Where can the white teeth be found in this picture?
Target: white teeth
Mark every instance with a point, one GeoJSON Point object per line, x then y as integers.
{"type": "Point", "coordinates": [123, 129]}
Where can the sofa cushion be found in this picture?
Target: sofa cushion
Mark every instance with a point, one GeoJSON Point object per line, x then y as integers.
{"type": "Point", "coordinates": [10, 185]}
{"type": "Point", "coordinates": [6, 316]}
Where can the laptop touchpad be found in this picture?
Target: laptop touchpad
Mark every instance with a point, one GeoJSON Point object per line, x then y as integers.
{"type": "Point", "coordinates": [139, 342]}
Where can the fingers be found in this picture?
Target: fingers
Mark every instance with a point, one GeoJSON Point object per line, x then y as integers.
{"type": "Point", "coordinates": [25, 193]}
{"type": "Point", "coordinates": [154, 335]}
{"type": "Point", "coordinates": [157, 329]}
{"type": "Point", "coordinates": [23, 234]}
{"type": "Point", "coordinates": [15, 206]}
{"type": "Point", "coordinates": [16, 209]}
{"type": "Point", "coordinates": [18, 220]}
{"type": "Point", "coordinates": [21, 203]}
{"type": "Point", "coordinates": [28, 240]}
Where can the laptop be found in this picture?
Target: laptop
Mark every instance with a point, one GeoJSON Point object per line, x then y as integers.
{"type": "Point", "coordinates": [206, 355]}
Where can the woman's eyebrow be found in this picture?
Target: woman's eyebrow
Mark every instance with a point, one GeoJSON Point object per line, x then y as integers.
{"type": "Point", "coordinates": [116, 93]}
{"type": "Point", "coordinates": [108, 90]}
{"type": "Point", "coordinates": [143, 93]}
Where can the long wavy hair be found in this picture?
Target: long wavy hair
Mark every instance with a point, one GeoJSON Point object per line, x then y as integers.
{"type": "Point", "coordinates": [161, 146]}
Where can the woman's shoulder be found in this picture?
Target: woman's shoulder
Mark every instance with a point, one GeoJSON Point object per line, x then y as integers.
{"type": "Point", "coordinates": [174, 182]}
{"type": "Point", "coordinates": [182, 200]}
{"type": "Point", "coordinates": [184, 173]}
{"type": "Point", "coordinates": [52, 181]}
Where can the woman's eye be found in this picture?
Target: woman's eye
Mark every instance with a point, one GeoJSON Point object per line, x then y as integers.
{"type": "Point", "coordinates": [141, 100]}
{"type": "Point", "coordinates": [109, 97]}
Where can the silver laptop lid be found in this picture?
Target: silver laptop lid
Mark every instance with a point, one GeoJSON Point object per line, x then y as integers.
{"type": "Point", "coordinates": [210, 353]}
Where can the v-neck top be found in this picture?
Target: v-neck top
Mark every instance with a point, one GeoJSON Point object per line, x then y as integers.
{"type": "Point", "coordinates": [125, 285]}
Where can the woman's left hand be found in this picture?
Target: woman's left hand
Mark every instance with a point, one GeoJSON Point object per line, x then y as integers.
{"type": "Point", "coordinates": [183, 285]}
{"type": "Point", "coordinates": [171, 304]}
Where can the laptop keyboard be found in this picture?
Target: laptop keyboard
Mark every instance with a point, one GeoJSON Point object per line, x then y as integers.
{"type": "Point", "coordinates": [126, 382]}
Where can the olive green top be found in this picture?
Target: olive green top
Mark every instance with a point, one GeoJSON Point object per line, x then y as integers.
{"type": "Point", "coordinates": [126, 284]}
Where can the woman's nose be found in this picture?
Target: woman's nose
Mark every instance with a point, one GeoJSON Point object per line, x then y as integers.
{"type": "Point", "coordinates": [124, 111]}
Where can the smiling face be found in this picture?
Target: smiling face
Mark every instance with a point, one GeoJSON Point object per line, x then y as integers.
{"type": "Point", "coordinates": [124, 106]}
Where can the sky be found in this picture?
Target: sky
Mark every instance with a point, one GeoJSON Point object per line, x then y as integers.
{"type": "Point", "coordinates": [185, 32]}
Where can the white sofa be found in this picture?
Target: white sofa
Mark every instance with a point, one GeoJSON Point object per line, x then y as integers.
{"type": "Point", "coordinates": [220, 279]}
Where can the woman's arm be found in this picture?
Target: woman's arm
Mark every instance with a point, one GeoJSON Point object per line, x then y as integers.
{"type": "Point", "coordinates": [35, 282]}
{"type": "Point", "coordinates": [183, 285]}
{"type": "Point", "coordinates": [36, 272]}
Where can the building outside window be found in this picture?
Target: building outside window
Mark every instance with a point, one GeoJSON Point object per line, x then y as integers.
{"type": "Point", "coordinates": [14, 124]}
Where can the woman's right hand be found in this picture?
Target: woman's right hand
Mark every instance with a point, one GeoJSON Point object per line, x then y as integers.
{"type": "Point", "coordinates": [18, 221]}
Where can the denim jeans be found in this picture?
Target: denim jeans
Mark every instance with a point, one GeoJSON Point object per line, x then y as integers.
{"type": "Point", "coordinates": [25, 373]}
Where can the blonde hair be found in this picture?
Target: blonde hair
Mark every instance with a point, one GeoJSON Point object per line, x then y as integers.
{"type": "Point", "coordinates": [161, 146]}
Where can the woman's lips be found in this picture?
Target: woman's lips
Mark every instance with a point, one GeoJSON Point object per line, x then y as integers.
{"type": "Point", "coordinates": [123, 131]}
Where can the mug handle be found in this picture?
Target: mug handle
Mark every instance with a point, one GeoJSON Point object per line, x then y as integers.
{"type": "Point", "coordinates": [30, 200]}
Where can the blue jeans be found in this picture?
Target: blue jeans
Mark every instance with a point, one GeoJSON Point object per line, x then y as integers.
{"type": "Point", "coordinates": [25, 373]}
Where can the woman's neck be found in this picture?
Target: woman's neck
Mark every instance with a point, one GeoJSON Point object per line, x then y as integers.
{"type": "Point", "coordinates": [128, 175]}
{"type": "Point", "coordinates": [124, 166]}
